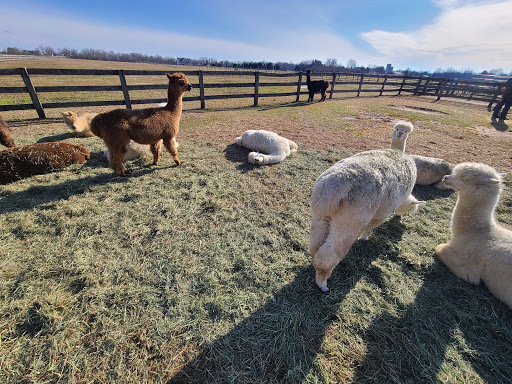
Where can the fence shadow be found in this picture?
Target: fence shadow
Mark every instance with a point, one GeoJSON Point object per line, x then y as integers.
{"type": "Point", "coordinates": [280, 341]}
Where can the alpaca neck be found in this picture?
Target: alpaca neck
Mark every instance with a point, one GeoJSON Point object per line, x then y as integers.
{"type": "Point", "coordinates": [473, 214]}
{"type": "Point", "coordinates": [308, 78]}
{"type": "Point", "coordinates": [398, 144]}
{"type": "Point", "coordinates": [174, 101]}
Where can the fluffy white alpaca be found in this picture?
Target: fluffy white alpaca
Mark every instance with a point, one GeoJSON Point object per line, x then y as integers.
{"type": "Point", "coordinates": [400, 134]}
{"type": "Point", "coordinates": [430, 170]}
{"type": "Point", "coordinates": [134, 150]}
{"type": "Point", "coordinates": [79, 124]}
{"type": "Point", "coordinates": [480, 248]}
{"type": "Point", "coordinates": [353, 197]}
{"type": "Point", "coordinates": [274, 148]}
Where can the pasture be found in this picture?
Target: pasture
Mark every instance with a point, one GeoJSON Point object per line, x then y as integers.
{"type": "Point", "coordinates": [201, 273]}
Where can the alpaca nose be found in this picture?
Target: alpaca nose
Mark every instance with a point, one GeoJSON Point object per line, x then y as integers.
{"type": "Point", "coordinates": [189, 87]}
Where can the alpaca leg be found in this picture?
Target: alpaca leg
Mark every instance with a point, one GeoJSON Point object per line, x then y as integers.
{"type": "Point", "coordinates": [323, 95]}
{"type": "Point", "coordinates": [344, 231]}
{"type": "Point", "coordinates": [311, 95]}
{"type": "Point", "coordinates": [461, 266]}
{"type": "Point", "coordinates": [370, 227]}
{"type": "Point", "coordinates": [318, 232]}
{"type": "Point", "coordinates": [170, 145]}
{"type": "Point", "coordinates": [155, 150]}
{"type": "Point", "coordinates": [116, 157]}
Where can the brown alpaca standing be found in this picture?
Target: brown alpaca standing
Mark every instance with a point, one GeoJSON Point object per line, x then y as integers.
{"type": "Point", "coordinates": [316, 86]}
{"type": "Point", "coordinates": [145, 126]}
{"type": "Point", "coordinates": [5, 134]}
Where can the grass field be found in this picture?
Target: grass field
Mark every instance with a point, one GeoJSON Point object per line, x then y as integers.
{"type": "Point", "coordinates": [201, 273]}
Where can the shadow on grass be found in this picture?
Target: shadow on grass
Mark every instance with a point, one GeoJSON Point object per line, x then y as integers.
{"type": "Point", "coordinates": [429, 192]}
{"type": "Point", "coordinates": [43, 194]}
{"type": "Point", "coordinates": [499, 124]}
{"type": "Point", "coordinates": [62, 136]}
{"type": "Point", "coordinates": [280, 341]}
{"type": "Point", "coordinates": [34, 121]}
{"type": "Point", "coordinates": [446, 311]}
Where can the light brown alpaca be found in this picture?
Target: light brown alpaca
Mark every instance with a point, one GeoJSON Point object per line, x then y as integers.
{"type": "Point", "coordinates": [79, 124]}
{"type": "Point", "coordinates": [5, 134]}
{"type": "Point", "coordinates": [480, 248]}
{"type": "Point", "coordinates": [152, 126]}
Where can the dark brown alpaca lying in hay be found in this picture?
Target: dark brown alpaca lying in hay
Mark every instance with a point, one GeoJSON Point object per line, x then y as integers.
{"type": "Point", "coordinates": [145, 126]}
{"type": "Point", "coordinates": [316, 86]}
{"type": "Point", "coordinates": [5, 134]}
{"type": "Point", "coordinates": [35, 159]}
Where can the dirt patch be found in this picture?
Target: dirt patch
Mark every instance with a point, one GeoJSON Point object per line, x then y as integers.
{"type": "Point", "coordinates": [427, 111]}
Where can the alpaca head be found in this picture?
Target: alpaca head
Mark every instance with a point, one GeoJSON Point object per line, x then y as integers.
{"type": "Point", "coordinates": [70, 118]}
{"type": "Point", "coordinates": [400, 134]}
{"type": "Point", "coordinates": [474, 177]}
{"type": "Point", "coordinates": [256, 158]}
{"type": "Point", "coordinates": [179, 82]}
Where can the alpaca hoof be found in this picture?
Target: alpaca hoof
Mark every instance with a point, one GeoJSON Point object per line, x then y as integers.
{"type": "Point", "coordinates": [323, 286]}
{"type": "Point", "coordinates": [177, 162]}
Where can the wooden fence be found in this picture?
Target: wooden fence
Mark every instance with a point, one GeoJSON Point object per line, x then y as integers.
{"type": "Point", "coordinates": [342, 83]}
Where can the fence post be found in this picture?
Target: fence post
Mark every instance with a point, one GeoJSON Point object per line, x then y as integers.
{"type": "Point", "coordinates": [360, 84]}
{"type": "Point", "coordinates": [256, 87]}
{"type": "Point", "coordinates": [445, 82]}
{"type": "Point", "coordinates": [402, 85]}
{"type": "Point", "coordinates": [299, 84]}
{"type": "Point", "coordinates": [124, 87]}
{"type": "Point", "coordinates": [383, 85]}
{"type": "Point", "coordinates": [201, 88]}
{"type": "Point", "coordinates": [32, 92]}
{"type": "Point", "coordinates": [427, 84]}
{"type": "Point", "coordinates": [495, 96]}
{"type": "Point", "coordinates": [418, 84]}
{"type": "Point", "coordinates": [332, 84]}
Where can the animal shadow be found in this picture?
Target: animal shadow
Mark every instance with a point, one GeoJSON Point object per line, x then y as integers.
{"type": "Point", "coordinates": [429, 192]}
{"type": "Point", "coordinates": [499, 124]}
{"type": "Point", "coordinates": [238, 154]}
{"type": "Point", "coordinates": [412, 347]}
{"type": "Point", "coordinates": [280, 341]}
{"type": "Point", "coordinates": [62, 136]}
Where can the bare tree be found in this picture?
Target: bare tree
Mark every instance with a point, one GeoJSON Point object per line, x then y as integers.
{"type": "Point", "coordinates": [351, 64]}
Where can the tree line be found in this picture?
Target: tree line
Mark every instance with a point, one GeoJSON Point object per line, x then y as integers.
{"type": "Point", "coordinates": [330, 65]}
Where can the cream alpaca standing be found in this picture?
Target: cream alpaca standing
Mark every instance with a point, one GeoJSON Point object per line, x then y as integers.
{"type": "Point", "coordinates": [480, 248]}
{"type": "Point", "coordinates": [275, 148]}
{"type": "Point", "coordinates": [430, 170]}
{"type": "Point", "coordinates": [352, 198]}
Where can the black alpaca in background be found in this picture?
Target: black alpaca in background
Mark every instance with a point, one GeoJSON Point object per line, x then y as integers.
{"type": "Point", "coordinates": [316, 86]}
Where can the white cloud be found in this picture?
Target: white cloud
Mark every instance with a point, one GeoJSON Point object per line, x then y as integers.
{"type": "Point", "coordinates": [59, 30]}
{"type": "Point", "coordinates": [477, 36]}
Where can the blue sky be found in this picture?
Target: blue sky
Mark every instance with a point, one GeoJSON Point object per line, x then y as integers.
{"type": "Point", "coordinates": [416, 34]}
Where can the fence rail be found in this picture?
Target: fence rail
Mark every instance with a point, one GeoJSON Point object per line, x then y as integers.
{"type": "Point", "coordinates": [341, 83]}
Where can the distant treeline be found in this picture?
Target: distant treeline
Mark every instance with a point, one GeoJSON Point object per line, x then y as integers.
{"type": "Point", "coordinates": [330, 65]}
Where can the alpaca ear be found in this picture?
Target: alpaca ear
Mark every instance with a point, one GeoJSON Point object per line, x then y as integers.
{"type": "Point", "coordinates": [419, 202]}
{"type": "Point", "coordinates": [502, 175]}
{"type": "Point", "coordinates": [170, 77]}
{"type": "Point", "coordinates": [490, 180]}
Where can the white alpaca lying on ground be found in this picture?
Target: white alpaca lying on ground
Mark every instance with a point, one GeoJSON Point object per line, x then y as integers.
{"type": "Point", "coordinates": [480, 248]}
{"type": "Point", "coordinates": [430, 170]}
{"type": "Point", "coordinates": [274, 148]}
{"type": "Point", "coordinates": [353, 197]}
{"type": "Point", "coordinates": [134, 150]}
